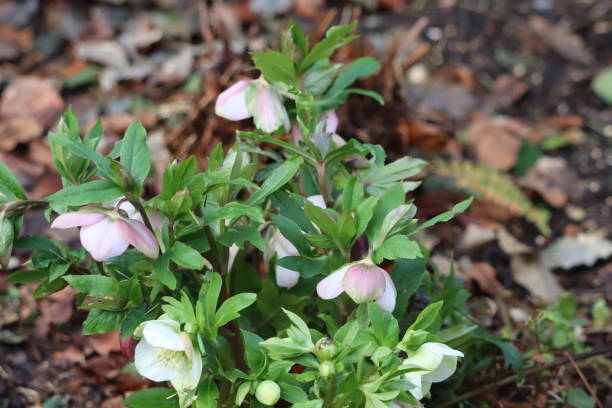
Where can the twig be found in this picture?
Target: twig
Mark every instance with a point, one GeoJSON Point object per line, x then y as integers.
{"type": "Point", "coordinates": [207, 35]}
{"type": "Point", "coordinates": [514, 377]}
{"type": "Point", "coordinates": [584, 380]}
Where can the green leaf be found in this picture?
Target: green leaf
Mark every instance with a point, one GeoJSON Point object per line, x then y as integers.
{"type": "Point", "coordinates": [602, 84]}
{"type": "Point", "coordinates": [445, 216]}
{"type": "Point", "coordinates": [277, 178]}
{"type": "Point", "coordinates": [97, 191]}
{"type": "Point", "coordinates": [27, 276]}
{"type": "Point", "coordinates": [359, 68]}
{"type": "Point", "coordinates": [161, 269]}
{"type": "Point", "coordinates": [93, 285]}
{"type": "Point", "coordinates": [152, 397]}
{"type": "Point", "coordinates": [384, 326]}
{"type": "Point", "coordinates": [9, 185]}
{"type": "Point", "coordinates": [102, 162]}
{"type": "Point", "coordinates": [102, 321]}
{"type": "Point", "coordinates": [135, 155]}
{"type": "Point", "coordinates": [207, 299]}
{"type": "Point", "coordinates": [292, 232]}
{"type": "Point", "coordinates": [407, 276]}
{"type": "Point", "coordinates": [187, 257]}
{"type": "Point", "coordinates": [578, 397]}
{"type": "Point", "coordinates": [208, 393]}
{"type": "Point", "coordinates": [307, 267]}
{"type": "Point", "coordinates": [292, 393]}
{"type": "Point", "coordinates": [528, 155]}
{"type": "Point", "coordinates": [398, 246]}
{"type": "Point", "coordinates": [427, 317]}
{"type": "Point", "coordinates": [232, 210]}
{"type": "Point", "coordinates": [255, 355]}
{"type": "Point", "coordinates": [320, 76]}
{"type": "Point", "coordinates": [275, 66]}
{"type": "Point", "coordinates": [230, 308]}
{"type": "Point", "coordinates": [334, 38]}
{"type": "Point", "coordinates": [384, 177]}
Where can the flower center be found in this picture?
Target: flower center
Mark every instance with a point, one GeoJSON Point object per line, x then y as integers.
{"type": "Point", "coordinates": [171, 359]}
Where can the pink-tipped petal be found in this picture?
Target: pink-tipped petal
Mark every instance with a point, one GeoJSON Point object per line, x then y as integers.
{"type": "Point", "coordinates": [77, 219]}
{"type": "Point", "coordinates": [296, 133]}
{"type": "Point", "coordinates": [231, 103]}
{"type": "Point", "coordinates": [137, 234]}
{"type": "Point", "coordinates": [389, 297]}
{"type": "Point", "coordinates": [102, 240]}
{"type": "Point", "coordinates": [266, 105]}
{"type": "Point", "coordinates": [286, 278]}
{"type": "Point", "coordinates": [331, 121]}
{"type": "Point", "coordinates": [331, 287]}
{"type": "Point", "coordinates": [364, 283]}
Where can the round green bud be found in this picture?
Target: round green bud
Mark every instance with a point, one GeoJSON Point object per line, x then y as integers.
{"type": "Point", "coordinates": [326, 368]}
{"type": "Point", "coordinates": [267, 392]}
{"type": "Point", "coordinates": [326, 349]}
{"type": "Point", "coordinates": [7, 234]}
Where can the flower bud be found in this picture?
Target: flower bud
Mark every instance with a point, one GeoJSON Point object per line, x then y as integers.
{"type": "Point", "coordinates": [326, 349]}
{"type": "Point", "coordinates": [127, 347]}
{"type": "Point", "coordinates": [326, 368]}
{"type": "Point", "coordinates": [267, 392]}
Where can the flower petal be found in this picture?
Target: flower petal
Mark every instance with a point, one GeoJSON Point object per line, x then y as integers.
{"type": "Point", "coordinates": [331, 121]}
{"type": "Point", "coordinates": [428, 357]}
{"type": "Point", "coordinates": [152, 363]}
{"type": "Point", "coordinates": [282, 246]}
{"type": "Point", "coordinates": [137, 234]}
{"type": "Point", "coordinates": [446, 368]}
{"type": "Point", "coordinates": [389, 296]}
{"type": "Point", "coordinates": [265, 104]}
{"type": "Point", "coordinates": [364, 283]}
{"type": "Point", "coordinates": [415, 381]}
{"type": "Point", "coordinates": [102, 240]}
{"type": "Point", "coordinates": [286, 278]}
{"type": "Point", "coordinates": [77, 219]}
{"type": "Point", "coordinates": [331, 286]}
{"type": "Point", "coordinates": [189, 378]}
{"type": "Point", "coordinates": [317, 200]}
{"type": "Point", "coordinates": [164, 334]}
{"type": "Point", "coordinates": [231, 103]}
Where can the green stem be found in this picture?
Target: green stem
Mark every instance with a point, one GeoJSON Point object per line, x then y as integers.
{"type": "Point", "coordinates": [323, 186]}
{"type": "Point", "coordinates": [143, 213]}
{"type": "Point", "coordinates": [331, 394]}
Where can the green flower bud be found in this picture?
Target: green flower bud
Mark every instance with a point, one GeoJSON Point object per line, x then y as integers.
{"type": "Point", "coordinates": [7, 234]}
{"type": "Point", "coordinates": [326, 368]}
{"type": "Point", "coordinates": [267, 392]}
{"type": "Point", "coordinates": [326, 349]}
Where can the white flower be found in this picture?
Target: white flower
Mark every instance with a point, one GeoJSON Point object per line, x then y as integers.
{"type": "Point", "coordinates": [287, 278]}
{"type": "Point", "coordinates": [167, 354]}
{"type": "Point", "coordinates": [437, 361]}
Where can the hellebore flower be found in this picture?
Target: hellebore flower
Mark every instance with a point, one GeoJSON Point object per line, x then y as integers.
{"type": "Point", "coordinates": [287, 278]}
{"type": "Point", "coordinates": [362, 281]}
{"type": "Point", "coordinates": [167, 354]}
{"type": "Point", "coordinates": [105, 235]}
{"type": "Point", "coordinates": [268, 393]}
{"type": "Point", "coordinates": [253, 98]}
{"type": "Point", "coordinates": [437, 361]}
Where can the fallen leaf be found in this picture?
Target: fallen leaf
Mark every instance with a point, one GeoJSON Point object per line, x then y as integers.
{"type": "Point", "coordinates": [71, 355]}
{"type": "Point", "coordinates": [578, 250]}
{"type": "Point", "coordinates": [510, 244]}
{"type": "Point", "coordinates": [484, 274]}
{"type": "Point", "coordinates": [496, 140]}
{"type": "Point", "coordinates": [529, 272]}
{"type": "Point", "coordinates": [507, 89]}
{"type": "Point", "coordinates": [564, 43]}
{"type": "Point", "coordinates": [476, 236]}
{"type": "Point", "coordinates": [105, 343]}
{"type": "Point", "coordinates": [552, 179]}
{"type": "Point", "coordinates": [18, 130]}
{"type": "Point", "coordinates": [107, 53]}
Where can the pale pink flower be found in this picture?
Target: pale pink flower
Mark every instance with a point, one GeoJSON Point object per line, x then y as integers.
{"type": "Point", "coordinates": [105, 235]}
{"type": "Point", "coordinates": [287, 278]}
{"type": "Point", "coordinates": [254, 98]}
{"type": "Point", "coordinates": [363, 282]}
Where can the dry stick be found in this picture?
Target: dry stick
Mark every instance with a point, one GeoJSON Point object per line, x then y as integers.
{"type": "Point", "coordinates": [584, 380]}
{"type": "Point", "coordinates": [514, 377]}
{"type": "Point", "coordinates": [207, 35]}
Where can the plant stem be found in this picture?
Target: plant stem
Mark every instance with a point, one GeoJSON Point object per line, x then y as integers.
{"type": "Point", "coordinates": [143, 213]}
{"type": "Point", "coordinates": [331, 393]}
{"type": "Point", "coordinates": [322, 178]}
{"type": "Point", "coordinates": [512, 378]}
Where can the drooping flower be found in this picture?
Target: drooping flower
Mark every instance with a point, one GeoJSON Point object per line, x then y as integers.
{"type": "Point", "coordinates": [437, 361]}
{"type": "Point", "coordinates": [287, 278]}
{"type": "Point", "coordinates": [254, 98]}
{"type": "Point", "coordinates": [108, 234]}
{"type": "Point", "coordinates": [167, 354]}
{"type": "Point", "coordinates": [363, 281]}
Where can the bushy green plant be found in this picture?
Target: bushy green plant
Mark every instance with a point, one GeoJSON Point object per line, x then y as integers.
{"type": "Point", "coordinates": [325, 324]}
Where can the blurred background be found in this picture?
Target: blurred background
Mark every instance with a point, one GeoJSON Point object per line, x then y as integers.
{"type": "Point", "coordinates": [510, 101]}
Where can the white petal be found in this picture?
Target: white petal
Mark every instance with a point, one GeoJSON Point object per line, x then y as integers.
{"type": "Point", "coordinates": [77, 219]}
{"type": "Point", "coordinates": [331, 121]}
{"type": "Point", "coordinates": [102, 240]}
{"type": "Point", "coordinates": [231, 257]}
{"type": "Point", "coordinates": [389, 296]}
{"type": "Point", "coordinates": [149, 365]}
{"type": "Point", "coordinates": [331, 286]}
{"type": "Point", "coordinates": [231, 103]}
{"type": "Point", "coordinates": [266, 106]}
{"type": "Point", "coordinates": [189, 379]}
{"type": "Point", "coordinates": [137, 234]}
{"type": "Point", "coordinates": [415, 386]}
{"type": "Point", "coordinates": [286, 278]}
{"type": "Point", "coordinates": [428, 356]}
{"type": "Point", "coordinates": [282, 246]}
{"type": "Point", "coordinates": [446, 368]}
{"type": "Point", "coordinates": [164, 334]}
{"type": "Point", "coordinates": [317, 200]}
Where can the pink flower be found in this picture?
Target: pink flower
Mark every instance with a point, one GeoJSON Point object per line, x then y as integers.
{"type": "Point", "coordinates": [363, 282]}
{"type": "Point", "coordinates": [331, 125]}
{"type": "Point", "coordinates": [105, 235]}
{"type": "Point", "coordinates": [254, 98]}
